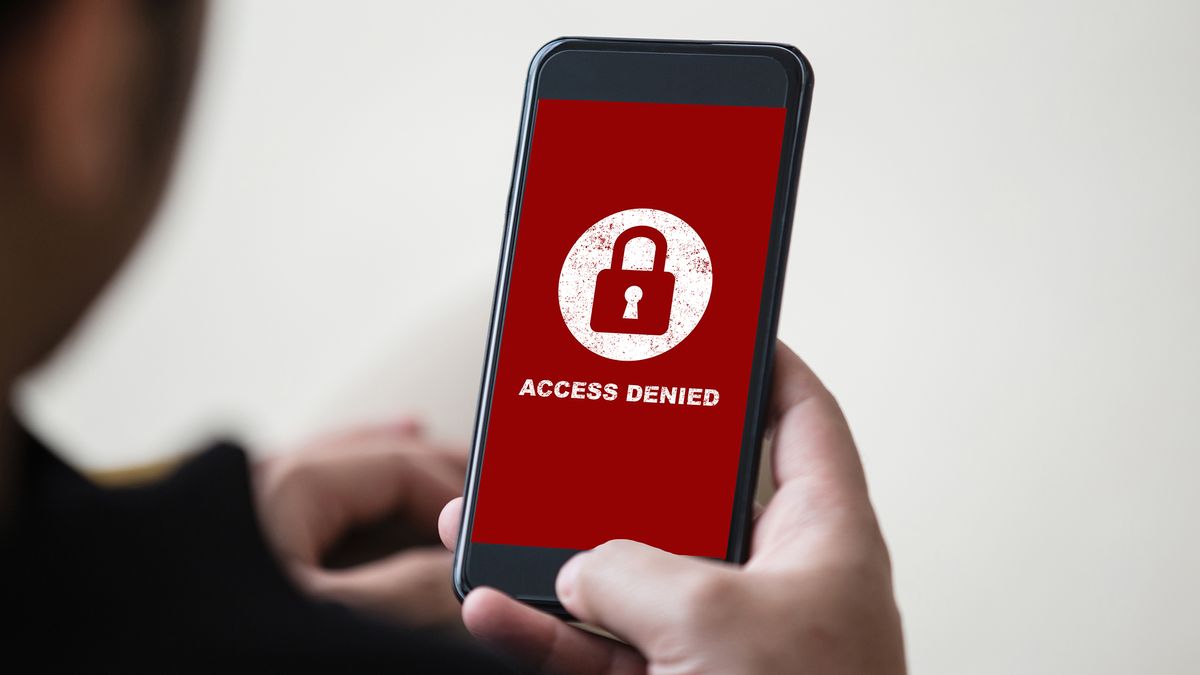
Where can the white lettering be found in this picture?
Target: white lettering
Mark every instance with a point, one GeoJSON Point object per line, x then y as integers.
{"type": "Point", "coordinates": [634, 393]}
{"type": "Point", "coordinates": [527, 389]}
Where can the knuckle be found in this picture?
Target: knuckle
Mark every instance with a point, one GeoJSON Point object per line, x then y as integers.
{"type": "Point", "coordinates": [599, 558]}
{"type": "Point", "coordinates": [288, 477]}
{"type": "Point", "coordinates": [284, 470]}
{"type": "Point", "coordinates": [709, 593]}
{"type": "Point", "coordinates": [614, 547]}
{"type": "Point", "coordinates": [607, 554]}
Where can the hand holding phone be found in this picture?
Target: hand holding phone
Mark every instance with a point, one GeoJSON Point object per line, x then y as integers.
{"type": "Point", "coordinates": [624, 388]}
{"type": "Point", "coordinates": [816, 595]}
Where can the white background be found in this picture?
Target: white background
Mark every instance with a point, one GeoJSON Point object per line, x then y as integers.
{"type": "Point", "coordinates": [996, 266]}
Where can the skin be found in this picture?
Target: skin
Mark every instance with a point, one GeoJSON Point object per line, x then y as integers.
{"type": "Point", "coordinates": [87, 135]}
{"type": "Point", "coordinates": [91, 101]}
{"type": "Point", "coordinates": [310, 498]}
{"type": "Point", "coordinates": [815, 597]}
{"type": "Point", "coordinates": [92, 96]}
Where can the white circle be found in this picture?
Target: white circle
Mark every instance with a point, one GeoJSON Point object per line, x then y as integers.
{"type": "Point", "coordinates": [687, 259]}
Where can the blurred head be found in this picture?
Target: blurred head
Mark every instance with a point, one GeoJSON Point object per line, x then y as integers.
{"type": "Point", "coordinates": [91, 98]}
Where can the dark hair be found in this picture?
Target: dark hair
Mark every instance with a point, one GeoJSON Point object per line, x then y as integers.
{"type": "Point", "coordinates": [167, 28]}
{"type": "Point", "coordinates": [18, 15]}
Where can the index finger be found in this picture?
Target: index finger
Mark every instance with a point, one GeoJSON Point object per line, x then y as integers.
{"type": "Point", "coordinates": [818, 474]}
{"type": "Point", "coordinates": [813, 444]}
{"type": "Point", "coordinates": [320, 496]}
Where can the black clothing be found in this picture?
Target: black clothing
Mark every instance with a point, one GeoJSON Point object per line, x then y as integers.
{"type": "Point", "coordinates": [175, 576]}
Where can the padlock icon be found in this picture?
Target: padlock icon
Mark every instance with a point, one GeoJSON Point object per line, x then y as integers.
{"type": "Point", "coordinates": [634, 301]}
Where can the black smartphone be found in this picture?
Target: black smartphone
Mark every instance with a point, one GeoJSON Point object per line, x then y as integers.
{"type": "Point", "coordinates": [628, 363]}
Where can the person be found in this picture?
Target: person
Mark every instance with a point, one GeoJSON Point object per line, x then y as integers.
{"type": "Point", "coordinates": [222, 564]}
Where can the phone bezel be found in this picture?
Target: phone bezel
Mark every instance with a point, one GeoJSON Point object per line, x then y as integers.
{"type": "Point", "coordinates": [534, 567]}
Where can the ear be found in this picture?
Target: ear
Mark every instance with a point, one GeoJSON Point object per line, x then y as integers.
{"type": "Point", "coordinates": [82, 70]}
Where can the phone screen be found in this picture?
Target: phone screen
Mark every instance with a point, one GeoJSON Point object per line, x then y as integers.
{"type": "Point", "coordinates": [619, 398]}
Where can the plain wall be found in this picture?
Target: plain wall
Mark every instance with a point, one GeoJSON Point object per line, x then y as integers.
{"type": "Point", "coordinates": [995, 266]}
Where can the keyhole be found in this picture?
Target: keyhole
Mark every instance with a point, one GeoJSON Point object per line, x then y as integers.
{"type": "Point", "coordinates": [632, 295]}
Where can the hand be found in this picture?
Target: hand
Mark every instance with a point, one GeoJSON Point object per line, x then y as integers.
{"type": "Point", "coordinates": [312, 499]}
{"type": "Point", "coordinates": [815, 597]}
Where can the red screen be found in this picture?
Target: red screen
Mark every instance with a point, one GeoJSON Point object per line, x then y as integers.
{"type": "Point", "coordinates": [575, 455]}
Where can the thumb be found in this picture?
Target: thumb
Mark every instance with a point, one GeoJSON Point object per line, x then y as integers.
{"type": "Point", "coordinates": [637, 592]}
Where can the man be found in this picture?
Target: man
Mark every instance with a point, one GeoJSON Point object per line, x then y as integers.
{"type": "Point", "coordinates": [220, 565]}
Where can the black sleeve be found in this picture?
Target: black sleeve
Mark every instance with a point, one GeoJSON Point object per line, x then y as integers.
{"type": "Point", "coordinates": [176, 577]}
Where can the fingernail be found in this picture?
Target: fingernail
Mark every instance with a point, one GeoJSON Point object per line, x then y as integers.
{"type": "Point", "coordinates": [565, 584]}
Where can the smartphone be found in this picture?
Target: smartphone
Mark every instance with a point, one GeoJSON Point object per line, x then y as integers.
{"type": "Point", "coordinates": [628, 361]}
